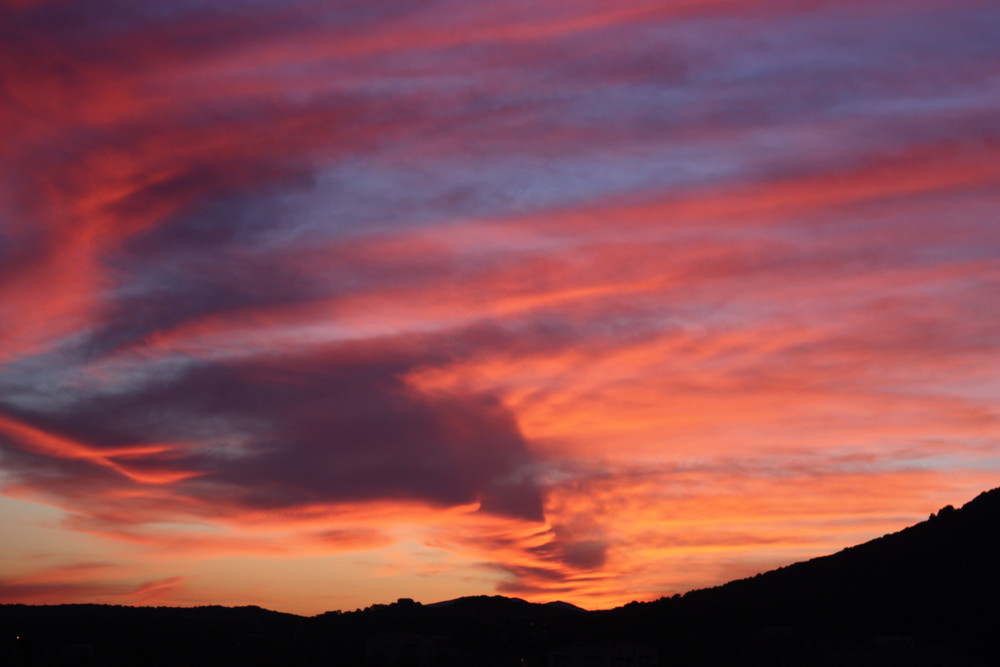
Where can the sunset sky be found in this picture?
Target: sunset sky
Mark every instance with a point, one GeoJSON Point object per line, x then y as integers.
{"type": "Point", "coordinates": [318, 304]}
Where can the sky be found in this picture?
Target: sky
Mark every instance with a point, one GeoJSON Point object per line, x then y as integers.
{"type": "Point", "coordinates": [318, 304]}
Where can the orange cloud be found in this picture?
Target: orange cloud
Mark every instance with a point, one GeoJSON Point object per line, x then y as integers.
{"type": "Point", "coordinates": [50, 444]}
{"type": "Point", "coordinates": [156, 591]}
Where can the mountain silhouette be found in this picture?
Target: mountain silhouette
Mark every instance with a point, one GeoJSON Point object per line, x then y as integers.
{"type": "Point", "coordinates": [925, 596]}
{"type": "Point", "coordinates": [934, 586]}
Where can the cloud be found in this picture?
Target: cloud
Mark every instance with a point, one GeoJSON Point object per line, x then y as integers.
{"type": "Point", "coordinates": [84, 581]}
{"type": "Point", "coordinates": [336, 427]}
{"type": "Point", "coordinates": [55, 593]}
{"type": "Point", "coordinates": [155, 591]}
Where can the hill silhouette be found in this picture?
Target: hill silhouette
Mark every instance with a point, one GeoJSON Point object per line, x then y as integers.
{"type": "Point", "coordinates": [927, 595]}
{"type": "Point", "coordinates": [932, 588]}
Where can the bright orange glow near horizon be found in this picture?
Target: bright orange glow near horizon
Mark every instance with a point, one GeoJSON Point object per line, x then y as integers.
{"type": "Point", "coordinates": [318, 305]}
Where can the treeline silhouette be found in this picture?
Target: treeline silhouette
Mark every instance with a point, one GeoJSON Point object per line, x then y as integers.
{"type": "Point", "coordinates": [927, 595]}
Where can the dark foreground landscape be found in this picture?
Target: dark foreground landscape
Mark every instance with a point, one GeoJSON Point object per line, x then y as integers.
{"type": "Point", "coordinates": [927, 595]}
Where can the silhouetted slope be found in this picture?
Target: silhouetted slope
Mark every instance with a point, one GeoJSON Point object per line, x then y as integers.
{"type": "Point", "coordinates": [942, 569]}
{"type": "Point", "coordinates": [938, 580]}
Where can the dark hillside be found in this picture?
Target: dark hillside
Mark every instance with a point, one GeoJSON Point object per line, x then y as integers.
{"type": "Point", "coordinates": [937, 581]}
